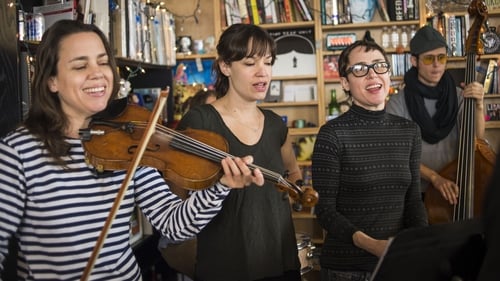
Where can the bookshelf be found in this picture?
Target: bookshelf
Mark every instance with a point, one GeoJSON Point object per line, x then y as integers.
{"type": "Point", "coordinates": [210, 21]}
{"type": "Point", "coordinates": [313, 111]}
{"type": "Point", "coordinates": [457, 65]}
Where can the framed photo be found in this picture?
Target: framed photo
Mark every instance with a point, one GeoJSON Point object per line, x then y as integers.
{"type": "Point", "coordinates": [492, 112]}
{"type": "Point", "coordinates": [184, 44]}
{"type": "Point", "coordinates": [274, 92]}
{"type": "Point", "coordinates": [331, 67]}
{"type": "Point", "coordinates": [339, 41]}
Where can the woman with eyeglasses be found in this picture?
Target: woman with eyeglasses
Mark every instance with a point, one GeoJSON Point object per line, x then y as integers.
{"type": "Point", "coordinates": [431, 99]}
{"type": "Point", "coordinates": [365, 167]}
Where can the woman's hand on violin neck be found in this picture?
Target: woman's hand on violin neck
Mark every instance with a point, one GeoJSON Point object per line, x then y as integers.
{"type": "Point", "coordinates": [237, 174]}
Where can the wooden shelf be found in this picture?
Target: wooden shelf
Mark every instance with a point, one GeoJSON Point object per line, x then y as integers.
{"type": "Point", "coordinates": [368, 25]}
{"type": "Point", "coordinates": [182, 56]}
{"type": "Point", "coordinates": [135, 63]}
{"type": "Point", "coordinates": [287, 25]}
{"type": "Point", "coordinates": [492, 96]}
{"type": "Point", "coordinates": [303, 131]}
{"type": "Point", "coordinates": [492, 124]}
{"type": "Point", "coordinates": [295, 77]}
{"type": "Point", "coordinates": [287, 104]}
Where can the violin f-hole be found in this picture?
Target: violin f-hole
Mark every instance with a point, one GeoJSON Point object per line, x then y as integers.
{"type": "Point", "coordinates": [131, 149]}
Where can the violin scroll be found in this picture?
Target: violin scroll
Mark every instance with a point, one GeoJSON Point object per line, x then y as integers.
{"type": "Point", "coordinates": [302, 196]}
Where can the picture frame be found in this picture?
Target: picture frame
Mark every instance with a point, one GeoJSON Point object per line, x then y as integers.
{"type": "Point", "coordinates": [338, 41]}
{"type": "Point", "coordinates": [274, 93]}
{"type": "Point", "coordinates": [184, 44]}
{"type": "Point", "coordinates": [492, 112]}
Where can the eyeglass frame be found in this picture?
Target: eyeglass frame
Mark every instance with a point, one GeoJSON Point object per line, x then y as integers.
{"type": "Point", "coordinates": [441, 58]}
{"type": "Point", "coordinates": [368, 67]}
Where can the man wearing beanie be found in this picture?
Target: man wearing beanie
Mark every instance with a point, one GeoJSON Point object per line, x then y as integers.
{"type": "Point", "coordinates": [431, 99]}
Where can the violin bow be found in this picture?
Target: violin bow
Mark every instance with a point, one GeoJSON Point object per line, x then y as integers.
{"type": "Point", "coordinates": [150, 129]}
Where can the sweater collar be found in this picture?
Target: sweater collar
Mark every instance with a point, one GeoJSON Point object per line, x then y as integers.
{"type": "Point", "coordinates": [367, 114]}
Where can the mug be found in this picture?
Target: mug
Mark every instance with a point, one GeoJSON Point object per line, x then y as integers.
{"type": "Point", "coordinates": [299, 123]}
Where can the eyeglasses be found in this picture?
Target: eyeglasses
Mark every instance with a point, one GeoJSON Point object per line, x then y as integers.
{"type": "Point", "coordinates": [429, 59]}
{"type": "Point", "coordinates": [361, 69]}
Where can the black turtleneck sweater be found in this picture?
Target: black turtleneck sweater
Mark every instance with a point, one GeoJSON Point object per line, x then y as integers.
{"type": "Point", "coordinates": [365, 167]}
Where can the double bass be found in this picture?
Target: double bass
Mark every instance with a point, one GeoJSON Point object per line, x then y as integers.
{"type": "Point", "coordinates": [474, 165]}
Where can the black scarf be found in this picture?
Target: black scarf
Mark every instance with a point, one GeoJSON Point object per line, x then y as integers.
{"type": "Point", "coordinates": [439, 126]}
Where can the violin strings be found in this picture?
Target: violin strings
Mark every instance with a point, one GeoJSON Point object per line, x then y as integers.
{"type": "Point", "coordinates": [188, 144]}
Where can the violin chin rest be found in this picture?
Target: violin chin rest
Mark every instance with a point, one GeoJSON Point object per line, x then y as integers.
{"type": "Point", "coordinates": [113, 110]}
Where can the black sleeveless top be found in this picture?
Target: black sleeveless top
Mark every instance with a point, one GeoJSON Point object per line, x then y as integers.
{"type": "Point", "coordinates": [253, 235]}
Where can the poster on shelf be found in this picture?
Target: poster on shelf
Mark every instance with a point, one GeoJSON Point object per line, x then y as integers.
{"type": "Point", "coordinates": [196, 71]}
{"type": "Point", "coordinates": [296, 54]}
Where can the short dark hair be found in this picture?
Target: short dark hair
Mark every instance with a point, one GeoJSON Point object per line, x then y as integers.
{"type": "Point", "coordinates": [344, 56]}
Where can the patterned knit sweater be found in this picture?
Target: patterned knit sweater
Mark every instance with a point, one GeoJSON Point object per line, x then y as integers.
{"type": "Point", "coordinates": [365, 167]}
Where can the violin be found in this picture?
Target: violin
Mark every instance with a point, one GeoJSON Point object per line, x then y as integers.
{"type": "Point", "coordinates": [189, 159]}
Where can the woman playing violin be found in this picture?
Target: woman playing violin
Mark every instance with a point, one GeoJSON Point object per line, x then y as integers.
{"type": "Point", "coordinates": [253, 234]}
{"type": "Point", "coordinates": [53, 203]}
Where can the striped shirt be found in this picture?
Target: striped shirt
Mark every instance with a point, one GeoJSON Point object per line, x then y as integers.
{"type": "Point", "coordinates": [56, 212]}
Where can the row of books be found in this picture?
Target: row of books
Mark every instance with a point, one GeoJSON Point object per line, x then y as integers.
{"type": "Point", "coordinates": [334, 12]}
{"type": "Point", "coordinates": [454, 29]}
{"type": "Point", "coordinates": [400, 64]}
{"type": "Point", "coordinates": [144, 33]}
{"type": "Point", "coordinates": [266, 11]}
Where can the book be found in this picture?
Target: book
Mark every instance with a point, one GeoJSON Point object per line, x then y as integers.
{"type": "Point", "coordinates": [302, 6]}
{"type": "Point", "coordinates": [329, 12]}
{"type": "Point", "coordinates": [488, 79]}
{"type": "Point", "coordinates": [382, 9]}
{"type": "Point", "coordinates": [244, 15]}
{"type": "Point", "coordinates": [494, 82]}
{"type": "Point", "coordinates": [288, 13]}
{"type": "Point", "coordinates": [395, 9]}
{"type": "Point", "coordinates": [232, 12]}
{"type": "Point", "coordinates": [56, 12]}
{"type": "Point", "coordinates": [255, 19]}
{"type": "Point", "coordinates": [270, 15]}
{"type": "Point", "coordinates": [481, 70]}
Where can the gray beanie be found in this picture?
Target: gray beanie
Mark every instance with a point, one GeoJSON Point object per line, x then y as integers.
{"type": "Point", "coordinates": [426, 39]}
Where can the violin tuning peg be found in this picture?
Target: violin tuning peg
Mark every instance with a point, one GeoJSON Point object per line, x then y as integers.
{"type": "Point", "coordinates": [84, 134]}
